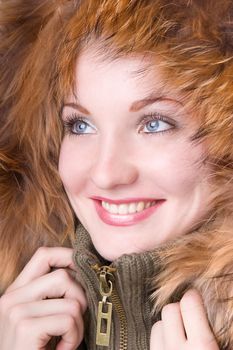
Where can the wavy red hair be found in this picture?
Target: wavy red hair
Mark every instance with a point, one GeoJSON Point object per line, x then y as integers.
{"type": "Point", "coordinates": [191, 40]}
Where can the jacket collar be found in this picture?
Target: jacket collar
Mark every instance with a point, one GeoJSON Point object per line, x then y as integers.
{"type": "Point", "coordinates": [131, 284]}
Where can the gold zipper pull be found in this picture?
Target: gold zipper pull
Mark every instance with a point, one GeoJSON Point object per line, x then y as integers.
{"type": "Point", "coordinates": [104, 315]}
{"type": "Point", "coordinates": [104, 321]}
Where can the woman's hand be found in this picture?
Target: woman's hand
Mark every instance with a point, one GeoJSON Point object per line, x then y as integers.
{"type": "Point", "coordinates": [184, 326]}
{"type": "Point", "coordinates": [41, 304]}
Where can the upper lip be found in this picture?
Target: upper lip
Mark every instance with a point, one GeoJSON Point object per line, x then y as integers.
{"type": "Point", "coordinates": [124, 200]}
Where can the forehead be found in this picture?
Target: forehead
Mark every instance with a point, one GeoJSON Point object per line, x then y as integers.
{"type": "Point", "coordinates": [134, 72]}
{"type": "Point", "coordinates": [132, 82]}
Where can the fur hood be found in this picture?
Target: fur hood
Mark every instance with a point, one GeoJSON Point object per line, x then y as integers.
{"type": "Point", "coordinates": [200, 260]}
{"type": "Point", "coordinates": [39, 45]}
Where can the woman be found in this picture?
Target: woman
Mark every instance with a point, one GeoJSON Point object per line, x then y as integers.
{"type": "Point", "coordinates": [116, 137]}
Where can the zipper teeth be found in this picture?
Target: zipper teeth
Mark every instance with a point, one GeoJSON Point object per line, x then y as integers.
{"type": "Point", "coordinates": [122, 320]}
{"type": "Point", "coordinates": [119, 309]}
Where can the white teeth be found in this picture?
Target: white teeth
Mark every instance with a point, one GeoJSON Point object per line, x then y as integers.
{"type": "Point", "coordinates": [140, 207]}
{"type": "Point", "coordinates": [123, 209]}
{"type": "Point", "coordinates": [113, 209]}
{"type": "Point", "coordinates": [104, 204]}
{"type": "Point", "coordinates": [132, 208]}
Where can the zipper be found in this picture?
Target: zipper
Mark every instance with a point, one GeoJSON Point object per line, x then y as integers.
{"type": "Point", "coordinates": [110, 299]}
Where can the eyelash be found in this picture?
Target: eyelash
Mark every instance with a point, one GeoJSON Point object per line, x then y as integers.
{"type": "Point", "coordinates": [69, 123]}
{"type": "Point", "coordinates": [74, 118]}
{"type": "Point", "coordinates": [154, 117]}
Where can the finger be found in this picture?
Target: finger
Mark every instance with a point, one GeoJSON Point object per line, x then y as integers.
{"type": "Point", "coordinates": [44, 308]}
{"type": "Point", "coordinates": [194, 317]}
{"type": "Point", "coordinates": [41, 263]}
{"type": "Point", "coordinates": [57, 284]}
{"type": "Point", "coordinates": [173, 328]}
{"type": "Point", "coordinates": [38, 331]}
{"type": "Point", "coordinates": [156, 338]}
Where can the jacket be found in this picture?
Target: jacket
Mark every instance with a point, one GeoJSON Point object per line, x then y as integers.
{"type": "Point", "coordinates": [143, 283]}
{"type": "Point", "coordinates": [127, 282]}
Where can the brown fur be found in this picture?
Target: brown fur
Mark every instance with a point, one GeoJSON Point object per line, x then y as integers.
{"type": "Point", "coordinates": [192, 41]}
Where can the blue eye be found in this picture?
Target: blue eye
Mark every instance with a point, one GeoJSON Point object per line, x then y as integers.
{"type": "Point", "coordinates": [81, 127]}
{"type": "Point", "coordinates": [156, 126]}
{"type": "Point", "coordinates": [76, 125]}
{"type": "Point", "coordinates": [152, 124]}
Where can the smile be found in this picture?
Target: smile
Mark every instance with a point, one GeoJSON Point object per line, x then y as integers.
{"type": "Point", "coordinates": [127, 212]}
{"type": "Point", "coordinates": [124, 209]}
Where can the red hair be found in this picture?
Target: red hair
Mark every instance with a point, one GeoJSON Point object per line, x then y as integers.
{"type": "Point", "coordinates": [191, 40]}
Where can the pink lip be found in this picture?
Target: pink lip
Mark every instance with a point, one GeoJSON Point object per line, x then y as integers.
{"type": "Point", "coordinates": [124, 220]}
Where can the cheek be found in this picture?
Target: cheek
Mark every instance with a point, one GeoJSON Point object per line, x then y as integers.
{"type": "Point", "coordinates": [177, 168]}
{"type": "Point", "coordinates": [73, 166]}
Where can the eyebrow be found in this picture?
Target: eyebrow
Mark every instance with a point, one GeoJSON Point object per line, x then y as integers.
{"type": "Point", "coordinates": [76, 106]}
{"type": "Point", "coordinates": [135, 107]}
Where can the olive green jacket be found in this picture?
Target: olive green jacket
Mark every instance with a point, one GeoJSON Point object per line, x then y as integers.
{"type": "Point", "coordinates": [117, 295]}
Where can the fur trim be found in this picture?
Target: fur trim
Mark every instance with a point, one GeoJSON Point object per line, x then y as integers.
{"type": "Point", "coordinates": [201, 260]}
{"type": "Point", "coordinates": [192, 41]}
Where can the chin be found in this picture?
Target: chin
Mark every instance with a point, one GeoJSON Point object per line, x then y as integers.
{"type": "Point", "coordinates": [110, 255]}
{"type": "Point", "coordinates": [112, 251]}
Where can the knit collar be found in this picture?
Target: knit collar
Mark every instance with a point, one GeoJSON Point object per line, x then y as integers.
{"type": "Point", "coordinates": [132, 278]}
{"type": "Point", "coordinates": [85, 250]}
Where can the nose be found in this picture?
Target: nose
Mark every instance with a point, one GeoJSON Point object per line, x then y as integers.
{"type": "Point", "coordinates": [114, 166]}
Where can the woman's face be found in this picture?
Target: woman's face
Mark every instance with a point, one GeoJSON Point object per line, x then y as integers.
{"type": "Point", "coordinates": [133, 177]}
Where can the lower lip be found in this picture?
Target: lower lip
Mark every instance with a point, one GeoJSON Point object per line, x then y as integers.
{"type": "Point", "coordinates": [125, 220]}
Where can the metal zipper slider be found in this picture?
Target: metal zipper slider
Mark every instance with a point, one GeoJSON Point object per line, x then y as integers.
{"type": "Point", "coordinates": [104, 315]}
